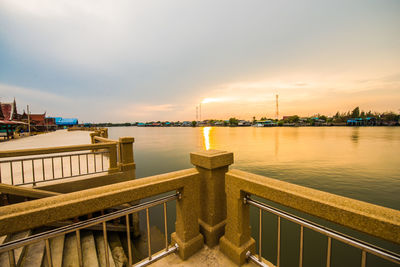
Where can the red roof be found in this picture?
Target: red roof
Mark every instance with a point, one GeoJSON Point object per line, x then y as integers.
{"type": "Point", "coordinates": [6, 109]}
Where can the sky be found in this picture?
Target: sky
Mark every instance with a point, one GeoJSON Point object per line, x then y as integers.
{"type": "Point", "coordinates": [127, 60]}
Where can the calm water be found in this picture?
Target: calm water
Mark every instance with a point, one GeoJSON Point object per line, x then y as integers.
{"type": "Point", "coordinates": [361, 163]}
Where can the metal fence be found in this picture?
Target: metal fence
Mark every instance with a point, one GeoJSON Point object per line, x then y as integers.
{"type": "Point", "coordinates": [331, 234]}
{"type": "Point", "coordinates": [34, 170]}
{"type": "Point", "coordinates": [100, 220]}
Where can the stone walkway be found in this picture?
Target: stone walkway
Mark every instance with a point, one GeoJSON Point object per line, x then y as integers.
{"type": "Point", "coordinates": [57, 138]}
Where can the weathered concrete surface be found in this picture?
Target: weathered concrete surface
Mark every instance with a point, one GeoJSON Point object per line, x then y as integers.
{"type": "Point", "coordinates": [210, 257]}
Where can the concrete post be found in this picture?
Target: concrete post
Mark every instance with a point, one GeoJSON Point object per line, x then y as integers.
{"type": "Point", "coordinates": [187, 234]}
{"type": "Point", "coordinates": [212, 166]}
{"type": "Point", "coordinates": [92, 135]}
{"type": "Point", "coordinates": [126, 161]}
{"type": "Point", "coordinates": [237, 239]}
{"type": "Point", "coordinates": [113, 159]}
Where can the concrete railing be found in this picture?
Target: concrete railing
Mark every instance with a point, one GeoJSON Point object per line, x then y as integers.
{"type": "Point", "coordinates": [33, 166]}
{"type": "Point", "coordinates": [36, 213]}
{"type": "Point", "coordinates": [214, 206]}
{"type": "Point", "coordinates": [367, 218]}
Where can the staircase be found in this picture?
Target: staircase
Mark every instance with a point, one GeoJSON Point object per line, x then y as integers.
{"type": "Point", "coordinates": [64, 249]}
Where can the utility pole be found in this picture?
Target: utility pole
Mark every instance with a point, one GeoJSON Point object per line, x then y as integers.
{"type": "Point", "coordinates": [197, 113]}
{"type": "Point", "coordinates": [277, 108]}
{"type": "Point", "coordinates": [29, 120]}
{"type": "Point", "coordinates": [200, 110]}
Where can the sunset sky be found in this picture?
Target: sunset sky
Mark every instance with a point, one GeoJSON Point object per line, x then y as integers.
{"type": "Point", "coordinates": [131, 60]}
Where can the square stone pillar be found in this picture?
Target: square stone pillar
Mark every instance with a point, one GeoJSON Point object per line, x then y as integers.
{"type": "Point", "coordinates": [237, 239]}
{"type": "Point", "coordinates": [212, 166]}
{"type": "Point", "coordinates": [126, 161]}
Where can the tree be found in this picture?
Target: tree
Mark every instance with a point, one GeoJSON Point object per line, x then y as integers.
{"type": "Point", "coordinates": [194, 123]}
{"type": "Point", "coordinates": [355, 113]}
{"type": "Point", "coordinates": [254, 119]}
{"type": "Point", "coordinates": [233, 121]}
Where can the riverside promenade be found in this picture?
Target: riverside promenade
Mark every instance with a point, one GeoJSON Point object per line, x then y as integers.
{"type": "Point", "coordinates": [57, 138]}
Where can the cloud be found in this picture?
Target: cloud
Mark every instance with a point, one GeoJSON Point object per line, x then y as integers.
{"type": "Point", "coordinates": [32, 94]}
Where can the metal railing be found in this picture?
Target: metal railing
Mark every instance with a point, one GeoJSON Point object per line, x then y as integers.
{"type": "Point", "coordinates": [31, 166]}
{"type": "Point", "coordinates": [42, 169]}
{"type": "Point", "coordinates": [103, 219]}
{"type": "Point", "coordinates": [331, 234]}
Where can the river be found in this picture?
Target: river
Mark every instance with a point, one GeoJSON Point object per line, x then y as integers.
{"type": "Point", "coordinates": [357, 162]}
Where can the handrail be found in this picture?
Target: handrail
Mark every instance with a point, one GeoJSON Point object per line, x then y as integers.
{"type": "Point", "coordinates": [84, 224]}
{"type": "Point", "coordinates": [364, 217]}
{"type": "Point", "coordinates": [25, 192]}
{"type": "Point", "coordinates": [364, 246]}
{"type": "Point", "coordinates": [368, 218]}
{"type": "Point", "coordinates": [103, 219]}
{"type": "Point", "coordinates": [52, 150]}
{"type": "Point", "coordinates": [103, 139]}
{"type": "Point", "coordinates": [35, 213]}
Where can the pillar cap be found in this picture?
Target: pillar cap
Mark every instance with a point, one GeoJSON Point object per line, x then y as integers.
{"type": "Point", "coordinates": [126, 139]}
{"type": "Point", "coordinates": [211, 159]}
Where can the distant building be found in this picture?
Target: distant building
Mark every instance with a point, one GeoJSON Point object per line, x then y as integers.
{"type": "Point", "coordinates": [65, 121]}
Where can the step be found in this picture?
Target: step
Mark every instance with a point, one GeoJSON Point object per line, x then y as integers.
{"type": "Point", "coordinates": [70, 255]}
{"type": "Point", "coordinates": [89, 249]}
{"type": "Point", "coordinates": [4, 259]}
{"type": "Point", "coordinates": [99, 239]}
{"type": "Point", "coordinates": [117, 250]}
{"type": "Point", "coordinates": [33, 254]}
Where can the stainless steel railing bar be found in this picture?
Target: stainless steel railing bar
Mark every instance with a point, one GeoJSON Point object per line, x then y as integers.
{"type": "Point", "coordinates": [87, 163]}
{"type": "Point", "coordinates": [11, 258]}
{"type": "Point", "coordinates": [33, 171]}
{"type": "Point", "coordinates": [260, 235]}
{"type": "Point", "coordinates": [70, 165]}
{"type": "Point", "coordinates": [278, 253]}
{"type": "Point", "coordinates": [12, 173]}
{"type": "Point", "coordinates": [301, 245]}
{"type": "Point", "coordinates": [23, 171]}
{"type": "Point", "coordinates": [84, 224]}
{"type": "Point", "coordinates": [328, 252]}
{"type": "Point", "coordinates": [157, 256]}
{"type": "Point", "coordinates": [43, 173]}
{"type": "Point", "coordinates": [78, 244]}
{"type": "Point", "coordinates": [106, 244]}
{"type": "Point", "coordinates": [254, 259]}
{"type": "Point", "coordinates": [62, 167]}
{"type": "Point", "coordinates": [148, 233]}
{"type": "Point", "coordinates": [59, 178]}
{"type": "Point", "coordinates": [79, 164]}
{"type": "Point", "coordinates": [363, 258]}
{"type": "Point", "coordinates": [165, 226]}
{"type": "Point", "coordinates": [94, 161]}
{"type": "Point", "coordinates": [380, 252]}
{"type": "Point", "coordinates": [48, 254]}
{"type": "Point", "coordinates": [128, 235]}
{"type": "Point", "coordinates": [54, 156]}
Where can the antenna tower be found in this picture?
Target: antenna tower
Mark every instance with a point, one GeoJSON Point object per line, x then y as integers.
{"type": "Point", "coordinates": [277, 108]}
